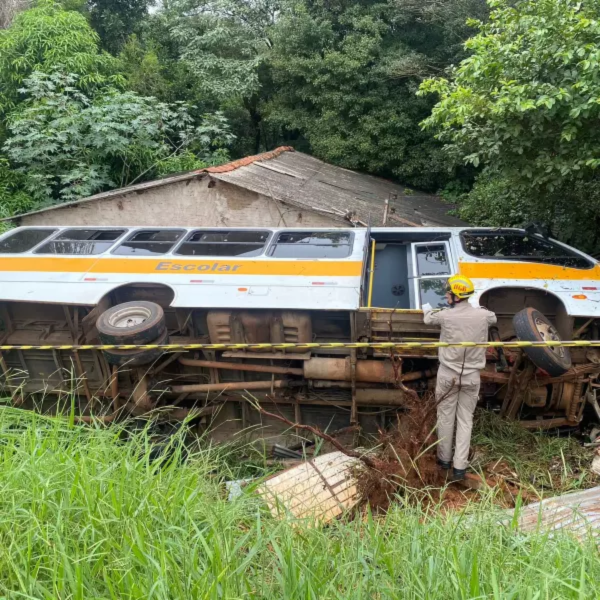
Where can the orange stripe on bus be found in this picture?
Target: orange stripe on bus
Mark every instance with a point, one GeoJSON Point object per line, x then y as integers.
{"type": "Point", "coordinates": [508, 270]}
{"type": "Point", "coordinates": [166, 266]}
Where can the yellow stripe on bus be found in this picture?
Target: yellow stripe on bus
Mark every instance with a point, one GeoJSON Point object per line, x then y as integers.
{"type": "Point", "coordinates": [168, 266]}
{"type": "Point", "coordinates": [510, 270]}
{"type": "Point", "coordinates": [308, 268]}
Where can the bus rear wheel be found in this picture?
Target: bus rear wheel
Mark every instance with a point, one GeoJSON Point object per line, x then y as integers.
{"type": "Point", "coordinates": [532, 326]}
{"type": "Point", "coordinates": [138, 322]}
{"type": "Point", "coordinates": [136, 358]}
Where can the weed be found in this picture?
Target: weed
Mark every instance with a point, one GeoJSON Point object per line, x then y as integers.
{"type": "Point", "coordinates": [543, 461]}
{"type": "Point", "coordinates": [85, 512]}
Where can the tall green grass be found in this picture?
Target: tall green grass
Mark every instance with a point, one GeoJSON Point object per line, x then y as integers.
{"type": "Point", "coordinates": [86, 513]}
{"type": "Point", "coordinates": [544, 462]}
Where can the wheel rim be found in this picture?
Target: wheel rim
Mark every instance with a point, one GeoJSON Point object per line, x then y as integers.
{"type": "Point", "coordinates": [549, 334]}
{"type": "Point", "coordinates": [127, 318]}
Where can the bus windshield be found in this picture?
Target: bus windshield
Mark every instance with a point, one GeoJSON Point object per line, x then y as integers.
{"type": "Point", "coordinates": [521, 246]}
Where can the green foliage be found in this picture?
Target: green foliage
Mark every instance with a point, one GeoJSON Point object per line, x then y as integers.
{"type": "Point", "coordinates": [219, 50]}
{"type": "Point", "coordinates": [70, 145]}
{"type": "Point", "coordinates": [526, 104]}
{"type": "Point", "coordinates": [116, 20]}
{"type": "Point", "coordinates": [571, 210]}
{"type": "Point", "coordinates": [556, 465]}
{"type": "Point", "coordinates": [146, 73]}
{"type": "Point", "coordinates": [179, 163]}
{"type": "Point", "coordinates": [346, 76]}
{"type": "Point", "coordinates": [337, 79]}
{"type": "Point", "coordinates": [527, 97]}
{"type": "Point", "coordinates": [13, 198]}
{"type": "Point", "coordinates": [45, 38]}
{"type": "Point", "coordinates": [494, 202]}
{"type": "Point", "coordinates": [223, 42]}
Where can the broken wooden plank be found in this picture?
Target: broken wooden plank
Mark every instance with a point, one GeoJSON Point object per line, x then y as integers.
{"type": "Point", "coordinates": [318, 490]}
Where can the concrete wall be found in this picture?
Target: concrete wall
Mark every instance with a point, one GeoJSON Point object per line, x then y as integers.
{"type": "Point", "coordinates": [200, 202]}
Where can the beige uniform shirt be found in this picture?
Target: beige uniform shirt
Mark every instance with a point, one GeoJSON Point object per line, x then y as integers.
{"type": "Point", "coordinates": [462, 323]}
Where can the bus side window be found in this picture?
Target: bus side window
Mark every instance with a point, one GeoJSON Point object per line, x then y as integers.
{"type": "Point", "coordinates": [82, 241]}
{"type": "Point", "coordinates": [149, 242]}
{"type": "Point", "coordinates": [24, 240]}
{"type": "Point", "coordinates": [224, 243]}
{"type": "Point", "coordinates": [312, 244]}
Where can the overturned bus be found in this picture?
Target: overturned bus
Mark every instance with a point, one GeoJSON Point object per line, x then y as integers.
{"type": "Point", "coordinates": [70, 286]}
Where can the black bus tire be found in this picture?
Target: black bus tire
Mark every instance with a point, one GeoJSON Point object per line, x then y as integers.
{"type": "Point", "coordinates": [532, 326]}
{"type": "Point", "coordinates": [137, 358]}
{"type": "Point", "coordinates": [138, 322]}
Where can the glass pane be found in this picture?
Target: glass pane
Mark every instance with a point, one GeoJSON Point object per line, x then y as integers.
{"type": "Point", "coordinates": [144, 248]}
{"type": "Point", "coordinates": [67, 247]}
{"type": "Point", "coordinates": [90, 234]}
{"type": "Point", "coordinates": [314, 237]}
{"type": "Point", "coordinates": [432, 260]}
{"type": "Point", "coordinates": [520, 246]}
{"type": "Point", "coordinates": [24, 240]}
{"type": "Point", "coordinates": [310, 251]}
{"type": "Point", "coordinates": [229, 236]}
{"type": "Point", "coordinates": [433, 291]}
{"type": "Point", "coordinates": [157, 235]}
{"type": "Point", "coordinates": [219, 249]}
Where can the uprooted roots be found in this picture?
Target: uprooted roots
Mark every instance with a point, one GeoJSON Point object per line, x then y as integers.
{"type": "Point", "coordinates": [406, 458]}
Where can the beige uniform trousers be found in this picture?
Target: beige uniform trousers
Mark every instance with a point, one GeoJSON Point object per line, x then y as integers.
{"type": "Point", "coordinates": [457, 398]}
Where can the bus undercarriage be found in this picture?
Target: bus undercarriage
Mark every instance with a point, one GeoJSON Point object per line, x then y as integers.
{"type": "Point", "coordinates": [330, 388]}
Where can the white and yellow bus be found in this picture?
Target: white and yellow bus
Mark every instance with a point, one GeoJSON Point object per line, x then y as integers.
{"type": "Point", "coordinates": [67, 286]}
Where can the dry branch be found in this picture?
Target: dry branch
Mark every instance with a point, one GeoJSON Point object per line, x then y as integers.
{"type": "Point", "coordinates": [370, 462]}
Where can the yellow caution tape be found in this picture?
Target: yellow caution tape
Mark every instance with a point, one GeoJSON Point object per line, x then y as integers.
{"type": "Point", "coordinates": [309, 346]}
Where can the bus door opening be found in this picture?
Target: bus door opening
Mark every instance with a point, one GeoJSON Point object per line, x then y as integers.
{"type": "Point", "coordinates": [389, 287]}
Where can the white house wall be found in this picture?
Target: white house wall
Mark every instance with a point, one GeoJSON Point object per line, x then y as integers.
{"type": "Point", "coordinates": [198, 202]}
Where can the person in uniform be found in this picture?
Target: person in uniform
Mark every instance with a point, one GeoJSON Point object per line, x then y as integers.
{"type": "Point", "coordinates": [458, 377]}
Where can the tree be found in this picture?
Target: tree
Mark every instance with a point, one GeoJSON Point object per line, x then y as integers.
{"type": "Point", "coordinates": [525, 105]}
{"type": "Point", "coordinates": [527, 99]}
{"type": "Point", "coordinates": [8, 10]}
{"type": "Point", "coordinates": [45, 38]}
{"type": "Point", "coordinates": [152, 66]}
{"type": "Point", "coordinates": [69, 145]}
{"type": "Point", "coordinates": [223, 47]}
{"type": "Point", "coordinates": [223, 41]}
{"type": "Point", "coordinates": [116, 20]}
{"type": "Point", "coordinates": [346, 74]}
{"type": "Point", "coordinates": [334, 78]}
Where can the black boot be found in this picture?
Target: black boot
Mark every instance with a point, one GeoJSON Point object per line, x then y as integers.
{"type": "Point", "coordinates": [444, 465]}
{"type": "Point", "coordinates": [458, 474]}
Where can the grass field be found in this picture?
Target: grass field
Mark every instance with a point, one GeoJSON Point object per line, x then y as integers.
{"type": "Point", "coordinates": [86, 514]}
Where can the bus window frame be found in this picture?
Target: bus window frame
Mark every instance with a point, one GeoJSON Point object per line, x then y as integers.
{"type": "Point", "coordinates": [11, 232]}
{"type": "Point", "coordinates": [136, 230]}
{"type": "Point", "coordinates": [417, 277]}
{"type": "Point", "coordinates": [276, 233]}
{"type": "Point", "coordinates": [53, 237]}
{"type": "Point", "coordinates": [190, 232]}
